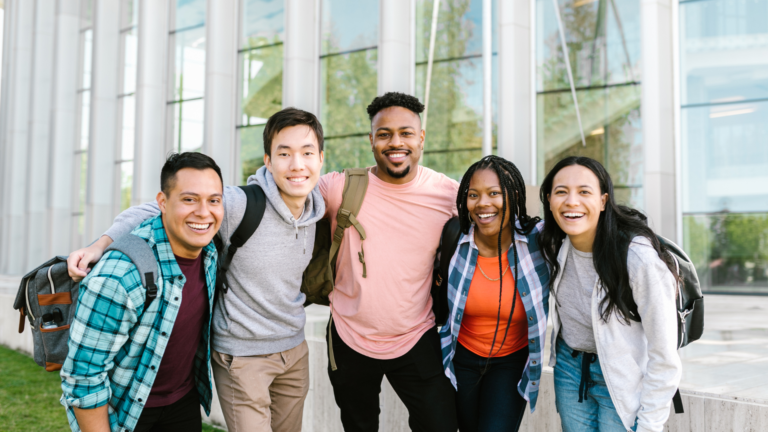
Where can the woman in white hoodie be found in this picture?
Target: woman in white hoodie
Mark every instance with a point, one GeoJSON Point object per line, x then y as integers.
{"type": "Point", "coordinates": [614, 343]}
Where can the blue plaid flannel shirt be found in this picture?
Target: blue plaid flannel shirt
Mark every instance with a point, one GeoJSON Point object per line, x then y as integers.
{"type": "Point", "coordinates": [115, 346]}
{"type": "Point", "coordinates": [533, 285]}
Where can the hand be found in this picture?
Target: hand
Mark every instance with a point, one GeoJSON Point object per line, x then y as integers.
{"type": "Point", "coordinates": [79, 260]}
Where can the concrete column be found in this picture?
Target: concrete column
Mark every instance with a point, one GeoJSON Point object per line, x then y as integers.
{"type": "Point", "coordinates": [515, 58]}
{"type": "Point", "coordinates": [151, 93]}
{"type": "Point", "coordinates": [221, 85]}
{"type": "Point", "coordinates": [300, 55]}
{"type": "Point", "coordinates": [104, 131]}
{"type": "Point", "coordinates": [39, 132]}
{"type": "Point", "coordinates": [397, 46]}
{"type": "Point", "coordinates": [20, 17]}
{"type": "Point", "coordinates": [63, 139]}
{"type": "Point", "coordinates": [657, 112]}
{"type": "Point", "coordinates": [4, 34]}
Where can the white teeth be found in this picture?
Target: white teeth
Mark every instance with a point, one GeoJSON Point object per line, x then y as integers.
{"type": "Point", "coordinates": [573, 215]}
{"type": "Point", "coordinates": [396, 155]}
{"type": "Point", "coordinates": [198, 226]}
{"type": "Point", "coordinates": [297, 179]}
{"type": "Point", "coordinates": [486, 215]}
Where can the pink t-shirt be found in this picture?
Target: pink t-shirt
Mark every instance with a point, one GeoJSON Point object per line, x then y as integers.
{"type": "Point", "coordinates": [383, 315]}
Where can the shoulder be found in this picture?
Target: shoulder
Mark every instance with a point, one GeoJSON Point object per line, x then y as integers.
{"type": "Point", "coordinates": [439, 180]}
{"type": "Point", "coordinates": [113, 272]}
{"type": "Point", "coordinates": [641, 251]}
{"type": "Point", "coordinates": [644, 263]}
{"type": "Point", "coordinates": [330, 180]}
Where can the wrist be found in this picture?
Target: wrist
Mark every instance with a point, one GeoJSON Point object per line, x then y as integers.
{"type": "Point", "coordinates": [103, 242]}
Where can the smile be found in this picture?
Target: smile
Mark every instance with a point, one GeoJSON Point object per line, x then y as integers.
{"type": "Point", "coordinates": [485, 218]}
{"type": "Point", "coordinates": [199, 227]}
{"type": "Point", "coordinates": [397, 156]}
{"type": "Point", "coordinates": [573, 215]}
{"type": "Point", "coordinates": [297, 179]}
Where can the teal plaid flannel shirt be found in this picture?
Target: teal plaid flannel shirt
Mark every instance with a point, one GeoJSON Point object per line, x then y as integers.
{"type": "Point", "coordinates": [115, 345]}
{"type": "Point", "coordinates": [533, 285]}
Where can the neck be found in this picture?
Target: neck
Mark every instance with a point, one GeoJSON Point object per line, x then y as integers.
{"type": "Point", "coordinates": [583, 242]}
{"type": "Point", "coordinates": [181, 250]}
{"type": "Point", "coordinates": [295, 204]}
{"type": "Point", "coordinates": [488, 246]}
{"type": "Point", "coordinates": [384, 176]}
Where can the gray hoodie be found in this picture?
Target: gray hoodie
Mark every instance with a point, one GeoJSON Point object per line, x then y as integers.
{"type": "Point", "coordinates": [263, 312]}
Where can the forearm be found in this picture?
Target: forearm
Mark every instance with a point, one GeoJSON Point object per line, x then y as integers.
{"type": "Point", "coordinates": [130, 218]}
{"type": "Point", "coordinates": [93, 420]}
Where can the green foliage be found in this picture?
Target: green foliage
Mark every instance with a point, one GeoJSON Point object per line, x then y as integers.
{"type": "Point", "coordinates": [729, 250]}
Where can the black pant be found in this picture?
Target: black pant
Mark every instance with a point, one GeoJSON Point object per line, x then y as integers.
{"type": "Point", "coordinates": [417, 377]}
{"type": "Point", "coordinates": [489, 402]}
{"type": "Point", "coordinates": [180, 416]}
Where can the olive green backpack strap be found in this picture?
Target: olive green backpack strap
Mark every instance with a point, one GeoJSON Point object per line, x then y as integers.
{"type": "Point", "coordinates": [355, 186]}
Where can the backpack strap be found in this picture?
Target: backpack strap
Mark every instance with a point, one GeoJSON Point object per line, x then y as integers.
{"type": "Point", "coordinates": [355, 186]}
{"type": "Point", "coordinates": [677, 401]}
{"type": "Point", "coordinates": [255, 206]}
{"type": "Point", "coordinates": [449, 241]}
{"type": "Point", "coordinates": [143, 257]}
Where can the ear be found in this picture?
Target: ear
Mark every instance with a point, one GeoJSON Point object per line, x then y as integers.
{"type": "Point", "coordinates": [604, 200]}
{"type": "Point", "coordinates": [421, 137]}
{"type": "Point", "coordinates": [268, 162]}
{"type": "Point", "coordinates": [162, 200]}
{"type": "Point", "coordinates": [370, 138]}
{"type": "Point", "coordinates": [322, 156]}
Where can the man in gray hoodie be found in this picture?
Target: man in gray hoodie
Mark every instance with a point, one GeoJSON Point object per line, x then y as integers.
{"type": "Point", "coordinates": [260, 359]}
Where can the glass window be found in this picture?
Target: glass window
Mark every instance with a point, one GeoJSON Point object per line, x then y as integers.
{"type": "Point", "coordinates": [261, 69]}
{"type": "Point", "coordinates": [603, 39]}
{"type": "Point", "coordinates": [455, 121]}
{"type": "Point", "coordinates": [348, 80]}
{"type": "Point", "coordinates": [80, 156]}
{"type": "Point", "coordinates": [724, 122]}
{"type": "Point", "coordinates": [187, 73]}
{"type": "Point", "coordinates": [126, 100]}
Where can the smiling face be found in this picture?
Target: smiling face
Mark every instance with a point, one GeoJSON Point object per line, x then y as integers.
{"type": "Point", "coordinates": [576, 202]}
{"type": "Point", "coordinates": [296, 163]}
{"type": "Point", "coordinates": [396, 141]}
{"type": "Point", "coordinates": [192, 210]}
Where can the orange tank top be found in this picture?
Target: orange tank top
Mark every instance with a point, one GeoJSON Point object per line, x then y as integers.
{"type": "Point", "coordinates": [479, 321]}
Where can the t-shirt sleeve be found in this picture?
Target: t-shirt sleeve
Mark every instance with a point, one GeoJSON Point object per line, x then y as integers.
{"type": "Point", "coordinates": [453, 187]}
{"type": "Point", "coordinates": [330, 185]}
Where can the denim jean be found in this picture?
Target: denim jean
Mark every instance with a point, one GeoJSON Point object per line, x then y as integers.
{"type": "Point", "coordinates": [489, 401]}
{"type": "Point", "coordinates": [596, 412]}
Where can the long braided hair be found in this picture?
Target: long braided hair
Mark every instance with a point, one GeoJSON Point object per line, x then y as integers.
{"type": "Point", "coordinates": [513, 192]}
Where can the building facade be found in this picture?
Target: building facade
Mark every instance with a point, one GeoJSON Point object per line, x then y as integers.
{"type": "Point", "coordinates": [670, 95]}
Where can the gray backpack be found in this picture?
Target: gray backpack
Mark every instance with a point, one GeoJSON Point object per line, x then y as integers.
{"type": "Point", "coordinates": [48, 297]}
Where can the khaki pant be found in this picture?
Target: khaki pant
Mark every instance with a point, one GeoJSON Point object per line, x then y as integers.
{"type": "Point", "coordinates": [264, 392]}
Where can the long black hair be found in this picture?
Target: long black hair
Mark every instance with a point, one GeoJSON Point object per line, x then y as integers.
{"type": "Point", "coordinates": [616, 228]}
{"type": "Point", "coordinates": [513, 193]}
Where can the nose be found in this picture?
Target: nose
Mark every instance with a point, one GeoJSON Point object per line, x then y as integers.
{"type": "Point", "coordinates": [203, 208]}
{"type": "Point", "coordinates": [297, 163]}
{"type": "Point", "coordinates": [396, 141]}
{"type": "Point", "coordinates": [572, 199]}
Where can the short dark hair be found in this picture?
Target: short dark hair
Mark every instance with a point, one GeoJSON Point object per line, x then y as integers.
{"type": "Point", "coordinates": [288, 117]}
{"type": "Point", "coordinates": [178, 161]}
{"type": "Point", "coordinates": [395, 99]}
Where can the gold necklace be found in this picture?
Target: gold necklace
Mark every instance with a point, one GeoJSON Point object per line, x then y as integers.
{"type": "Point", "coordinates": [486, 276]}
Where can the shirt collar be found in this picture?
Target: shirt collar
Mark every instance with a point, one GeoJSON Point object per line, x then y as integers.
{"type": "Point", "coordinates": [470, 236]}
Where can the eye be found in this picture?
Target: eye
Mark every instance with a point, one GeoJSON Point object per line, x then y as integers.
{"type": "Point", "coordinates": [472, 195]}
{"type": "Point", "coordinates": [383, 135]}
{"type": "Point", "coordinates": [494, 193]}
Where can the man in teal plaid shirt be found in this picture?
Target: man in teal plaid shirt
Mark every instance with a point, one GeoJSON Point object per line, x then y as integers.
{"type": "Point", "coordinates": [137, 368]}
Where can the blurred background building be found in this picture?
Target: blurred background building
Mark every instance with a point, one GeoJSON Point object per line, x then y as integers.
{"type": "Point", "coordinates": [672, 98]}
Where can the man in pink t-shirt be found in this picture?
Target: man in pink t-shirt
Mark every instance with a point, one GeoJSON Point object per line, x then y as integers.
{"type": "Point", "coordinates": [382, 322]}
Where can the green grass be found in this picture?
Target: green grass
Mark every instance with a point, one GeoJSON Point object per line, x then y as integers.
{"type": "Point", "coordinates": [29, 396]}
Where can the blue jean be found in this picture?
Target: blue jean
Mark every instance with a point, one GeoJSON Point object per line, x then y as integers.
{"type": "Point", "coordinates": [489, 402]}
{"type": "Point", "coordinates": [596, 412]}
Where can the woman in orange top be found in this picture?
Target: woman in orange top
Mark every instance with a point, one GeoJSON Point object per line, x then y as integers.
{"type": "Point", "coordinates": [497, 309]}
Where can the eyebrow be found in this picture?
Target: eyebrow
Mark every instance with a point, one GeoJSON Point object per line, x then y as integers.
{"type": "Point", "coordinates": [197, 194]}
{"type": "Point", "coordinates": [286, 146]}
{"type": "Point", "coordinates": [384, 128]}
{"type": "Point", "coordinates": [581, 186]}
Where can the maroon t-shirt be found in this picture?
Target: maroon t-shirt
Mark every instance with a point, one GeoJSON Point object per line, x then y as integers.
{"type": "Point", "coordinates": [175, 378]}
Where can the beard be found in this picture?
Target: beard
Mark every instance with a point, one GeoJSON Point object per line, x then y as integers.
{"type": "Point", "coordinates": [399, 175]}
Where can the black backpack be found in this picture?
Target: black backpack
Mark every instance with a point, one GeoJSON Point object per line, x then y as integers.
{"type": "Point", "coordinates": [449, 240]}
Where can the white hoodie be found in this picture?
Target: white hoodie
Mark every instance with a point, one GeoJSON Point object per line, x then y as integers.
{"type": "Point", "coordinates": [639, 361]}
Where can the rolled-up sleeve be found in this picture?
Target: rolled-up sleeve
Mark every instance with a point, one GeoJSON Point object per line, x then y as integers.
{"type": "Point", "coordinates": [104, 317]}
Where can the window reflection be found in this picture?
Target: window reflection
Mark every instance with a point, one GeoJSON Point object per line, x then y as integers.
{"type": "Point", "coordinates": [454, 133]}
{"type": "Point", "coordinates": [188, 125]}
{"type": "Point", "coordinates": [603, 40]}
{"type": "Point", "coordinates": [348, 79]}
{"type": "Point", "coordinates": [189, 64]}
{"type": "Point", "coordinates": [261, 69]}
{"type": "Point", "coordinates": [187, 13]}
